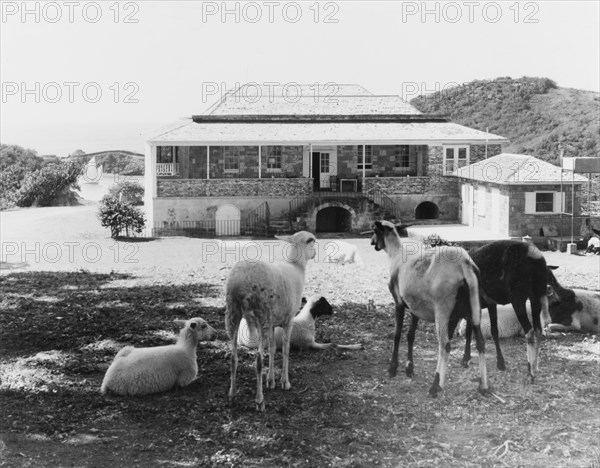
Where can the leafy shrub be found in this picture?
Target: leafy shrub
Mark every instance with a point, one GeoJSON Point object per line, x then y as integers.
{"type": "Point", "coordinates": [15, 163]}
{"type": "Point", "coordinates": [119, 216]}
{"type": "Point", "coordinates": [129, 191]}
{"type": "Point", "coordinates": [45, 186]}
{"type": "Point", "coordinates": [436, 241]}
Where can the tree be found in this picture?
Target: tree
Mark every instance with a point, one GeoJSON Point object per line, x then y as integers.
{"type": "Point", "coordinates": [119, 216]}
{"type": "Point", "coordinates": [48, 185]}
{"type": "Point", "coordinates": [128, 191]}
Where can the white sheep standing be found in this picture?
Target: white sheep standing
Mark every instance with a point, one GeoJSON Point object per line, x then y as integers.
{"type": "Point", "coordinates": [303, 331]}
{"type": "Point", "coordinates": [142, 371]}
{"type": "Point", "coordinates": [343, 252]}
{"type": "Point", "coordinates": [267, 295]}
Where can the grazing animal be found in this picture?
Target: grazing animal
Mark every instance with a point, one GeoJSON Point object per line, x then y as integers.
{"type": "Point", "coordinates": [508, 323]}
{"type": "Point", "coordinates": [267, 295]}
{"type": "Point", "coordinates": [511, 273]}
{"type": "Point", "coordinates": [303, 328]}
{"type": "Point", "coordinates": [428, 282]}
{"type": "Point", "coordinates": [573, 309]}
{"type": "Point", "coordinates": [344, 252]}
{"type": "Point", "coordinates": [142, 371]}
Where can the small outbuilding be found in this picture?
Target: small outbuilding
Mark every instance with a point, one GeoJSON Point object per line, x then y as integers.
{"type": "Point", "coordinates": [518, 195]}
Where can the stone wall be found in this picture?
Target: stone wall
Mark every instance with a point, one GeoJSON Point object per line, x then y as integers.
{"type": "Point", "coordinates": [522, 223]}
{"type": "Point", "coordinates": [384, 161]}
{"type": "Point", "coordinates": [233, 187]}
{"type": "Point", "coordinates": [409, 192]}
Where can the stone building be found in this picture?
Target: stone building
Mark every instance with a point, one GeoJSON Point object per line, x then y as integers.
{"type": "Point", "coordinates": [519, 195]}
{"type": "Point", "coordinates": [260, 161]}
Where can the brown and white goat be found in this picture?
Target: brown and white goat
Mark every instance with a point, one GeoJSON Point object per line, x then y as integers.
{"type": "Point", "coordinates": [427, 281]}
{"type": "Point", "coordinates": [303, 328]}
{"type": "Point", "coordinates": [267, 295]}
{"type": "Point", "coordinates": [575, 310]}
{"type": "Point", "coordinates": [511, 273]}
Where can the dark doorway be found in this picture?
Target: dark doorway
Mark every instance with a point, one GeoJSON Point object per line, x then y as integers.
{"type": "Point", "coordinates": [316, 170]}
{"type": "Point", "coordinates": [427, 210]}
{"type": "Point", "coordinates": [334, 219]}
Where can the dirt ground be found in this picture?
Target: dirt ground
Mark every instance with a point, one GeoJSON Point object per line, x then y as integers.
{"type": "Point", "coordinates": [63, 318]}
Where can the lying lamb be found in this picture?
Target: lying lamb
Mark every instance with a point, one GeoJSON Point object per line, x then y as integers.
{"type": "Point", "coordinates": [303, 328]}
{"type": "Point", "coordinates": [593, 246]}
{"type": "Point", "coordinates": [143, 371]}
{"type": "Point", "coordinates": [508, 323]}
{"type": "Point", "coordinates": [575, 310]}
{"type": "Point", "coordinates": [343, 252]}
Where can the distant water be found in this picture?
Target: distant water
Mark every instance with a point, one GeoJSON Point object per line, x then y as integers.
{"type": "Point", "coordinates": [61, 139]}
{"type": "Point", "coordinates": [95, 192]}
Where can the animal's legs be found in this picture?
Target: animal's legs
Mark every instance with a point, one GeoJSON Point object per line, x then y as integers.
{"type": "Point", "coordinates": [272, 349]}
{"type": "Point", "coordinates": [260, 400]}
{"type": "Point", "coordinates": [468, 334]}
{"type": "Point", "coordinates": [530, 338]}
{"type": "Point", "coordinates": [287, 334]}
{"type": "Point", "coordinates": [414, 322]}
{"type": "Point", "coordinates": [441, 327]}
{"type": "Point", "coordinates": [399, 322]}
{"type": "Point", "coordinates": [234, 361]}
{"type": "Point", "coordinates": [493, 312]}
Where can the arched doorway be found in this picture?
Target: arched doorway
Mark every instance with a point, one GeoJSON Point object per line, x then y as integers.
{"type": "Point", "coordinates": [427, 210]}
{"type": "Point", "coordinates": [334, 219]}
{"type": "Point", "coordinates": [227, 221]}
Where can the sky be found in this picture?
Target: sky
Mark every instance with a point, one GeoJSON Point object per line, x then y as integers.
{"type": "Point", "coordinates": [102, 75]}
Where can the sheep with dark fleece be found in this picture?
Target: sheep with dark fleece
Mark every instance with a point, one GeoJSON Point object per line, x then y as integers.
{"type": "Point", "coordinates": [513, 272]}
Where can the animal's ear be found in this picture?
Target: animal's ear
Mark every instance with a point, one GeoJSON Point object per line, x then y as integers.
{"type": "Point", "coordinates": [284, 238]}
{"type": "Point", "coordinates": [181, 323]}
{"type": "Point", "coordinates": [553, 267]}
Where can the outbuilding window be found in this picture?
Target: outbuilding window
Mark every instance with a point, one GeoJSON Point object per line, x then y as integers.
{"type": "Point", "coordinates": [544, 202]}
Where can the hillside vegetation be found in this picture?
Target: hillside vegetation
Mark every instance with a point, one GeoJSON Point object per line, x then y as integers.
{"type": "Point", "coordinates": [539, 118]}
{"type": "Point", "coordinates": [114, 162]}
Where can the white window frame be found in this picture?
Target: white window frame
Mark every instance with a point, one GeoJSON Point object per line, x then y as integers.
{"type": "Point", "coordinates": [231, 151]}
{"type": "Point", "coordinates": [455, 159]}
{"type": "Point", "coordinates": [275, 152]}
{"type": "Point", "coordinates": [557, 206]}
{"type": "Point", "coordinates": [368, 157]}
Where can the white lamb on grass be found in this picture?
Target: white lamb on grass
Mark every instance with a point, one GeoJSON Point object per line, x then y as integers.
{"type": "Point", "coordinates": [143, 371]}
{"type": "Point", "coordinates": [343, 252]}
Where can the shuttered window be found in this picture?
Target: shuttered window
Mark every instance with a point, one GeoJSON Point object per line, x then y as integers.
{"type": "Point", "coordinates": [544, 202]}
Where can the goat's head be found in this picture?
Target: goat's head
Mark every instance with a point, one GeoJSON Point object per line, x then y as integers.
{"type": "Point", "coordinates": [319, 306]}
{"type": "Point", "coordinates": [302, 246]}
{"type": "Point", "coordinates": [554, 290]}
{"type": "Point", "coordinates": [197, 329]}
{"type": "Point", "coordinates": [383, 229]}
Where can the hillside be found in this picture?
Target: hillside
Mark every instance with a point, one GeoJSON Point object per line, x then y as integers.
{"type": "Point", "coordinates": [115, 162]}
{"type": "Point", "coordinates": [538, 117]}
